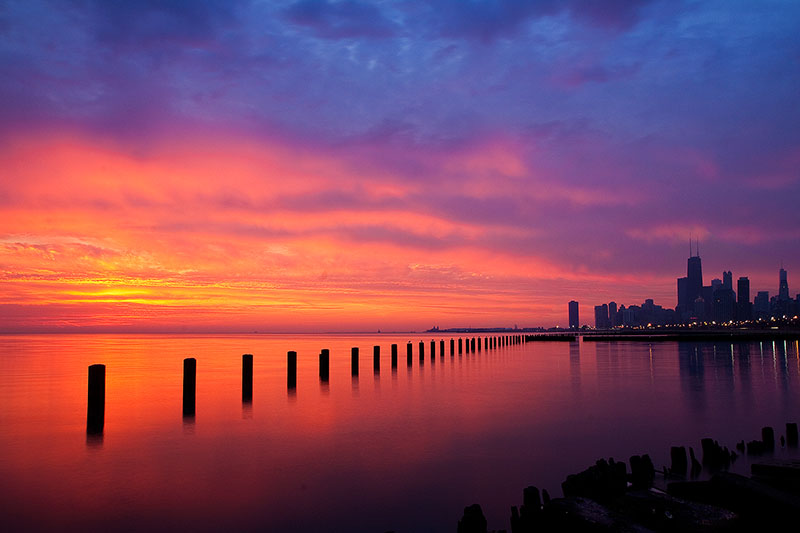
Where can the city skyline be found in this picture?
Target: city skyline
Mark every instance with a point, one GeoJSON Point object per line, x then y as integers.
{"type": "Point", "coordinates": [717, 302]}
{"type": "Point", "coordinates": [321, 165]}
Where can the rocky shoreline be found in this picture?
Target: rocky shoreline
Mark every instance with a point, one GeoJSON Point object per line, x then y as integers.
{"type": "Point", "coordinates": [609, 497]}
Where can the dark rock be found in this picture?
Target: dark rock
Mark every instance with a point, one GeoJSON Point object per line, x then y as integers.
{"type": "Point", "coordinates": [473, 520]}
{"type": "Point", "coordinates": [662, 512]}
{"type": "Point", "coordinates": [581, 514]}
{"type": "Point", "coordinates": [715, 457]}
{"type": "Point", "coordinates": [601, 482]}
{"type": "Point", "coordinates": [755, 447]}
{"type": "Point", "coordinates": [642, 472]}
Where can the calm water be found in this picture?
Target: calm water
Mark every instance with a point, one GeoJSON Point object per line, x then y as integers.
{"type": "Point", "coordinates": [404, 450]}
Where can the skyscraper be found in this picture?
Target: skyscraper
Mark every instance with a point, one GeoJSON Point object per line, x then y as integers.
{"type": "Point", "coordinates": [783, 286]}
{"type": "Point", "coordinates": [694, 273]}
{"type": "Point", "coordinates": [612, 314]}
{"type": "Point", "coordinates": [761, 305]}
{"type": "Point", "coordinates": [574, 322]}
{"type": "Point", "coordinates": [744, 310]}
{"type": "Point", "coordinates": [727, 280]}
{"type": "Point", "coordinates": [601, 316]}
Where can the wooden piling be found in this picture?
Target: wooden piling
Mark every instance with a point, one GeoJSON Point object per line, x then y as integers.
{"type": "Point", "coordinates": [354, 361]}
{"type": "Point", "coordinates": [441, 348]}
{"type": "Point", "coordinates": [433, 349]}
{"type": "Point", "coordinates": [459, 345]}
{"type": "Point", "coordinates": [452, 347]}
{"type": "Point", "coordinates": [409, 353]}
{"type": "Point", "coordinates": [291, 370]}
{"type": "Point", "coordinates": [473, 345]}
{"type": "Point", "coordinates": [247, 377]}
{"type": "Point", "coordinates": [479, 344]}
{"type": "Point", "coordinates": [680, 464]}
{"type": "Point", "coordinates": [791, 434]}
{"type": "Point", "coordinates": [768, 438]}
{"type": "Point", "coordinates": [189, 385]}
{"type": "Point", "coordinates": [394, 356]}
{"type": "Point", "coordinates": [96, 400]}
{"type": "Point", "coordinates": [376, 359]}
{"type": "Point", "coordinates": [324, 364]}
{"type": "Point", "coordinates": [421, 352]}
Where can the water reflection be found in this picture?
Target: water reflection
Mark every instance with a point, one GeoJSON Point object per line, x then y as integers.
{"type": "Point", "coordinates": [451, 435]}
{"type": "Point", "coordinates": [742, 355]}
{"type": "Point", "coordinates": [188, 424]}
{"type": "Point", "coordinates": [575, 366]}
{"type": "Point", "coordinates": [691, 364]}
{"type": "Point", "coordinates": [94, 441]}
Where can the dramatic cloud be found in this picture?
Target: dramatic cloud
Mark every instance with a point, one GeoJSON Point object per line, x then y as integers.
{"type": "Point", "coordinates": [322, 164]}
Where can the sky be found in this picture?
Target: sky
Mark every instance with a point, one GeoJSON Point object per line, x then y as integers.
{"type": "Point", "coordinates": [320, 165]}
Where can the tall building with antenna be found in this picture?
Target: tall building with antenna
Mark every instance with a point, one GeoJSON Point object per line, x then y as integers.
{"type": "Point", "coordinates": [694, 273]}
{"type": "Point", "coordinates": [690, 288]}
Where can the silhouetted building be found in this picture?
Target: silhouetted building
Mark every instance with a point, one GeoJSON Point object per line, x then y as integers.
{"type": "Point", "coordinates": [574, 321]}
{"type": "Point", "coordinates": [690, 289]}
{"type": "Point", "coordinates": [727, 280]}
{"type": "Point", "coordinates": [724, 306]}
{"type": "Point", "coordinates": [694, 274]}
{"type": "Point", "coordinates": [761, 305]}
{"type": "Point", "coordinates": [744, 309]}
{"type": "Point", "coordinates": [601, 316]}
{"type": "Point", "coordinates": [684, 300]}
{"type": "Point", "coordinates": [783, 286]}
{"type": "Point", "coordinates": [612, 314]}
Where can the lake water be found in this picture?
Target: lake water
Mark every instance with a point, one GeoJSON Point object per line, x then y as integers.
{"type": "Point", "coordinates": [404, 450]}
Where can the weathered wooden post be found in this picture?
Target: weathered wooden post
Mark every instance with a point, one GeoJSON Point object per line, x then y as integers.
{"type": "Point", "coordinates": [473, 345]}
{"type": "Point", "coordinates": [409, 350]}
{"type": "Point", "coordinates": [96, 400]}
{"type": "Point", "coordinates": [291, 370]}
{"type": "Point", "coordinates": [433, 350]}
{"type": "Point", "coordinates": [441, 348]}
{"type": "Point", "coordinates": [324, 364]}
{"type": "Point", "coordinates": [247, 377]}
{"type": "Point", "coordinates": [394, 356]}
{"type": "Point", "coordinates": [791, 434]}
{"type": "Point", "coordinates": [189, 385]}
{"type": "Point", "coordinates": [679, 462]}
{"type": "Point", "coordinates": [460, 340]}
{"type": "Point", "coordinates": [376, 359]}
{"type": "Point", "coordinates": [768, 438]}
{"type": "Point", "coordinates": [354, 361]}
{"type": "Point", "coordinates": [479, 344]}
{"type": "Point", "coordinates": [452, 347]}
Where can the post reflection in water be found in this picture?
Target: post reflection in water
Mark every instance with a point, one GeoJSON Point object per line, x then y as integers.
{"type": "Point", "coordinates": [445, 435]}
